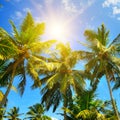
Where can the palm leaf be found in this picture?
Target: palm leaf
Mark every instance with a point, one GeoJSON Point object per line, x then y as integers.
{"type": "Point", "coordinates": [116, 41]}
{"type": "Point", "coordinates": [117, 83]}
{"type": "Point", "coordinates": [34, 74]}
{"type": "Point", "coordinates": [28, 22]}
{"type": "Point", "coordinates": [15, 31]}
{"type": "Point", "coordinates": [22, 78]}
{"type": "Point", "coordinates": [38, 47]}
{"type": "Point", "coordinates": [7, 47]}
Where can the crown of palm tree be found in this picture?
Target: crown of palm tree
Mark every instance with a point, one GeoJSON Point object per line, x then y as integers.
{"type": "Point", "coordinates": [36, 112]}
{"type": "Point", "coordinates": [61, 78]}
{"type": "Point", "coordinates": [13, 114]}
{"type": "Point", "coordinates": [28, 44]}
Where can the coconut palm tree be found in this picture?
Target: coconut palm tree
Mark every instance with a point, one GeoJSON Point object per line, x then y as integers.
{"type": "Point", "coordinates": [13, 114]}
{"type": "Point", "coordinates": [87, 107]}
{"type": "Point", "coordinates": [36, 112]}
{"type": "Point", "coordinates": [101, 58]}
{"type": "Point", "coordinates": [62, 78]}
{"type": "Point", "coordinates": [27, 41]}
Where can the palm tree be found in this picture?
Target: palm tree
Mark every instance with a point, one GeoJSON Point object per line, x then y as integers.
{"type": "Point", "coordinates": [87, 107]}
{"type": "Point", "coordinates": [13, 114]}
{"type": "Point", "coordinates": [27, 41]}
{"type": "Point", "coordinates": [101, 58]}
{"type": "Point", "coordinates": [62, 78]}
{"type": "Point", "coordinates": [36, 112]}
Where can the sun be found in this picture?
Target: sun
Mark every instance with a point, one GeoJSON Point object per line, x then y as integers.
{"type": "Point", "coordinates": [57, 29]}
{"type": "Point", "coordinates": [57, 25]}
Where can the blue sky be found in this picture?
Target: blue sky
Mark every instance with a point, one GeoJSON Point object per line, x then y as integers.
{"type": "Point", "coordinates": [77, 15]}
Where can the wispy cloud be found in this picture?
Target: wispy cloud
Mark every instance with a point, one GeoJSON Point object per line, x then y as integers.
{"type": "Point", "coordinates": [18, 14]}
{"type": "Point", "coordinates": [76, 6]}
{"type": "Point", "coordinates": [27, 10]}
{"type": "Point", "coordinates": [114, 5]}
{"type": "Point", "coordinates": [116, 10]}
{"type": "Point", "coordinates": [107, 3]}
{"type": "Point", "coordinates": [69, 6]}
{"type": "Point", "coordinates": [118, 18]}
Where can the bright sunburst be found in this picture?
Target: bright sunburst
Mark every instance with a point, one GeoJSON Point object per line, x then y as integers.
{"type": "Point", "coordinates": [57, 30]}
{"type": "Point", "coordinates": [58, 24]}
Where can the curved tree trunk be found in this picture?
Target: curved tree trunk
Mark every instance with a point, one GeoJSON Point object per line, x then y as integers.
{"type": "Point", "coordinates": [15, 64]}
{"type": "Point", "coordinates": [8, 89]}
{"type": "Point", "coordinates": [111, 96]}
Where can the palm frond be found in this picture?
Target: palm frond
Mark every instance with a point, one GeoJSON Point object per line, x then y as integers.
{"type": "Point", "coordinates": [51, 96]}
{"type": "Point", "coordinates": [103, 35]}
{"type": "Point", "coordinates": [90, 36]}
{"type": "Point", "coordinates": [39, 47]}
{"type": "Point", "coordinates": [5, 72]}
{"type": "Point", "coordinates": [51, 81]}
{"type": "Point", "coordinates": [28, 22]}
{"type": "Point", "coordinates": [7, 47]}
{"type": "Point", "coordinates": [65, 50]}
{"type": "Point", "coordinates": [116, 41]}
{"type": "Point", "coordinates": [85, 55]}
{"type": "Point", "coordinates": [22, 78]}
{"type": "Point", "coordinates": [1, 95]}
{"type": "Point", "coordinates": [34, 74]}
{"type": "Point", "coordinates": [15, 31]}
{"type": "Point", "coordinates": [117, 83]}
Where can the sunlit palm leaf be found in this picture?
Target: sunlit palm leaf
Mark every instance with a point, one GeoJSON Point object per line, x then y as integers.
{"type": "Point", "coordinates": [7, 47]}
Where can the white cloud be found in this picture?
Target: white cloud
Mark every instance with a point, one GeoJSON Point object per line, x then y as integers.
{"type": "Point", "coordinates": [20, 14]}
{"type": "Point", "coordinates": [114, 5]}
{"type": "Point", "coordinates": [116, 10]}
{"type": "Point", "coordinates": [69, 6]}
{"type": "Point", "coordinates": [76, 6]}
{"type": "Point", "coordinates": [17, 16]}
{"type": "Point", "coordinates": [107, 3]}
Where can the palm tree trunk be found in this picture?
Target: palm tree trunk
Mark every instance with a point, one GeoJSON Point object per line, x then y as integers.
{"type": "Point", "coordinates": [11, 80]}
{"type": "Point", "coordinates": [8, 89]}
{"type": "Point", "coordinates": [111, 96]}
{"type": "Point", "coordinates": [65, 106]}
